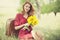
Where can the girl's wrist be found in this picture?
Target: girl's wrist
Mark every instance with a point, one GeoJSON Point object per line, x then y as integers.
{"type": "Point", "coordinates": [26, 24]}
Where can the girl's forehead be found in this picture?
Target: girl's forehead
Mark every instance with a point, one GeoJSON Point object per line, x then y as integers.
{"type": "Point", "coordinates": [27, 4]}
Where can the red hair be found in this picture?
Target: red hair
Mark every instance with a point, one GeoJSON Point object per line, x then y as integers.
{"type": "Point", "coordinates": [31, 11]}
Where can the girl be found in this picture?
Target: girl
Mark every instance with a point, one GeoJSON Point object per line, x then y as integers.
{"type": "Point", "coordinates": [21, 21]}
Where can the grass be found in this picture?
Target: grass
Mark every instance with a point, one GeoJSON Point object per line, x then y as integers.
{"type": "Point", "coordinates": [49, 26]}
{"type": "Point", "coordinates": [3, 20]}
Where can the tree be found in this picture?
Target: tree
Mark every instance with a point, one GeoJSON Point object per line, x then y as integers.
{"type": "Point", "coordinates": [38, 8]}
{"type": "Point", "coordinates": [56, 7]}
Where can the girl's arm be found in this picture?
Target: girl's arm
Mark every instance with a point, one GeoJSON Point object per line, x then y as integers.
{"type": "Point", "coordinates": [18, 27]}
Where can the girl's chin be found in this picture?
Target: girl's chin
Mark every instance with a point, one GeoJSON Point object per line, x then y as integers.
{"type": "Point", "coordinates": [26, 11]}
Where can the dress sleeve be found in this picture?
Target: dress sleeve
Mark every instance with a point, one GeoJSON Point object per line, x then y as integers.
{"type": "Point", "coordinates": [17, 21]}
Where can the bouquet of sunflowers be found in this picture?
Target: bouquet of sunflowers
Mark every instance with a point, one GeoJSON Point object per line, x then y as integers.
{"type": "Point", "coordinates": [32, 20]}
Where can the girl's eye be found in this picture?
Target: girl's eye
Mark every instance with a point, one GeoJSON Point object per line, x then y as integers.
{"type": "Point", "coordinates": [26, 6]}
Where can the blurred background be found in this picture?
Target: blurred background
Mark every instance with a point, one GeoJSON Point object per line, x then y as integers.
{"type": "Point", "coordinates": [47, 11]}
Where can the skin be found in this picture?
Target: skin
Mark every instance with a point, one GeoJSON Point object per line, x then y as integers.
{"type": "Point", "coordinates": [27, 7]}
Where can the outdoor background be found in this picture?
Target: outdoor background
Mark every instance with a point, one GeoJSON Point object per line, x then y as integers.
{"type": "Point", "coordinates": [47, 11]}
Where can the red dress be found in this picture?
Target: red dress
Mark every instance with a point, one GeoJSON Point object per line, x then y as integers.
{"type": "Point", "coordinates": [19, 20]}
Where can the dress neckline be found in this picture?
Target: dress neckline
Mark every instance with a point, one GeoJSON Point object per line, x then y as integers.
{"type": "Point", "coordinates": [23, 16]}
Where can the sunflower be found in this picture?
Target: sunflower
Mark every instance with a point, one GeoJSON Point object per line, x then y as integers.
{"type": "Point", "coordinates": [32, 20]}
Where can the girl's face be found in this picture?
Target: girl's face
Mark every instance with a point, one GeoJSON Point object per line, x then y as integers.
{"type": "Point", "coordinates": [26, 7]}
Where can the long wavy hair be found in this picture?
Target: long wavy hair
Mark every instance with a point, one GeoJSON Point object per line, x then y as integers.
{"type": "Point", "coordinates": [31, 11]}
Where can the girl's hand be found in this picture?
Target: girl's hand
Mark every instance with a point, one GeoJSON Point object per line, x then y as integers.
{"type": "Point", "coordinates": [26, 27]}
{"type": "Point", "coordinates": [18, 27]}
{"type": "Point", "coordinates": [26, 24]}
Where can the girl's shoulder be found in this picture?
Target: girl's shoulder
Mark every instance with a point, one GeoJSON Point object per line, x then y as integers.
{"type": "Point", "coordinates": [19, 14]}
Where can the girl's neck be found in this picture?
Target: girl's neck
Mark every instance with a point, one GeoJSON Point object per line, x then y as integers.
{"type": "Point", "coordinates": [25, 15]}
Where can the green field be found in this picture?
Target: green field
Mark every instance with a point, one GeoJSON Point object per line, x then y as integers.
{"type": "Point", "coordinates": [49, 25]}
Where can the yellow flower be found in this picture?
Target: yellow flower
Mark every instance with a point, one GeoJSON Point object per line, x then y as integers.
{"type": "Point", "coordinates": [32, 20]}
{"type": "Point", "coordinates": [35, 22]}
